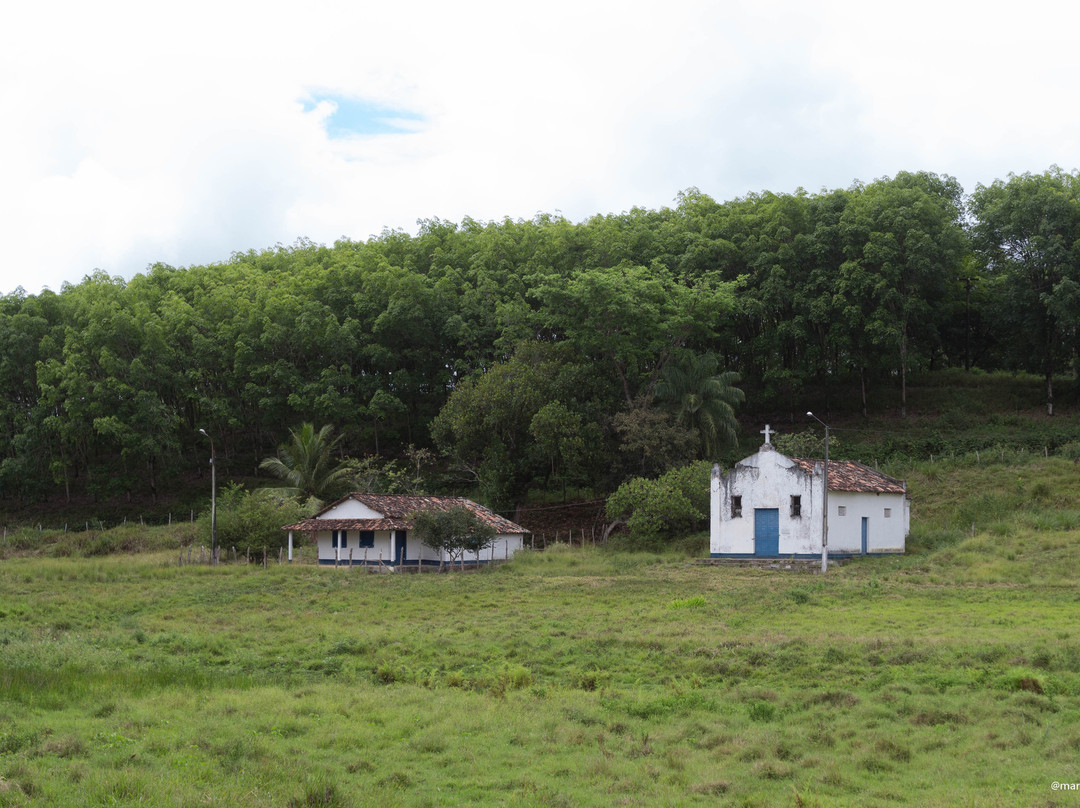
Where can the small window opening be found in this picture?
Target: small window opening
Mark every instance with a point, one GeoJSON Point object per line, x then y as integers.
{"type": "Point", "coordinates": [841, 510]}
{"type": "Point", "coordinates": [796, 505]}
{"type": "Point", "coordinates": [736, 507]}
{"type": "Point", "coordinates": [888, 513]}
{"type": "Point", "coordinates": [367, 538]}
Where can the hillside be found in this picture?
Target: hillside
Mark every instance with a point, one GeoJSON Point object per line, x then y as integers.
{"type": "Point", "coordinates": [546, 355]}
{"type": "Point", "coordinates": [569, 677]}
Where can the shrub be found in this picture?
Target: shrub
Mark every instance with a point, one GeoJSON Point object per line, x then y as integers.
{"type": "Point", "coordinates": [656, 511]}
{"type": "Point", "coordinates": [252, 518]}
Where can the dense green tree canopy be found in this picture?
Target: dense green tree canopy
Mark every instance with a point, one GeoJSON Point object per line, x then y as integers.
{"type": "Point", "coordinates": [540, 353]}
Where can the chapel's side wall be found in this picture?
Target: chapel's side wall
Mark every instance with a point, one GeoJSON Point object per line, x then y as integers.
{"type": "Point", "coordinates": [885, 534]}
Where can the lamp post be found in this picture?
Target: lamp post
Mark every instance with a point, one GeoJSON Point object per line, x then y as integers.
{"type": "Point", "coordinates": [825, 499]}
{"type": "Point", "coordinates": [213, 499]}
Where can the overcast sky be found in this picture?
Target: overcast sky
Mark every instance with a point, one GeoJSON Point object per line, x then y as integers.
{"type": "Point", "coordinates": [138, 132]}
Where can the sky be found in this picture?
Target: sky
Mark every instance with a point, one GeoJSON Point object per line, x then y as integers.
{"type": "Point", "coordinates": [135, 133]}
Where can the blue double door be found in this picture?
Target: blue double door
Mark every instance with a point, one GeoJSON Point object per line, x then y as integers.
{"type": "Point", "coordinates": [767, 531]}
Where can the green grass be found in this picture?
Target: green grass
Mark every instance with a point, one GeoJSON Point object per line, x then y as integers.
{"type": "Point", "coordinates": [570, 677]}
{"type": "Point", "coordinates": [565, 678]}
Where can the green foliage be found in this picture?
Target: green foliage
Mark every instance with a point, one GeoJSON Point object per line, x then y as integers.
{"type": "Point", "coordinates": [523, 419]}
{"type": "Point", "coordinates": [659, 510]}
{"type": "Point", "coordinates": [703, 399]}
{"type": "Point", "coordinates": [374, 475]}
{"type": "Point", "coordinates": [651, 441]}
{"type": "Point", "coordinates": [808, 443]}
{"type": "Point", "coordinates": [538, 354]}
{"type": "Point", "coordinates": [1027, 231]}
{"type": "Point", "coordinates": [252, 518]}
{"type": "Point", "coordinates": [457, 531]}
{"type": "Point", "coordinates": [306, 467]}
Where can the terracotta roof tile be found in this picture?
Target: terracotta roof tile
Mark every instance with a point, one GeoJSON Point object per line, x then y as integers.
{"type": "Point", "coordinates": [397, 510]}
{"type": "Point", "coordinates": [350, 524]}
{"type": "Point", "coordinates": [846, 475]}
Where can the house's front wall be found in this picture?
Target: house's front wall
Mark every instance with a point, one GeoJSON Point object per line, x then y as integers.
{"type": "Point", "coordinates": [386, 549]}
{"type": "Point", "coordinates": [884, 534]}
{"type": "Point", "coordinates": [767, 480]}
{"type": "Point", "coordinates": [383, 549]}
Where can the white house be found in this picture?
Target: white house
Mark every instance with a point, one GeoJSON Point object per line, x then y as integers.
{"type": "Point", "coordinates": [374, 529]}
{"type": "Point", "coordinates": [771, 505]}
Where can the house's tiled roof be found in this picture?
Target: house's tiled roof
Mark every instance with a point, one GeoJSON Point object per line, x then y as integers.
{"type": "Point", "coordinates": [846, 475]}
{"type": "Point", "coordinates": [350, 524]}
{"type": "Point", "coordinates": [397, 510]}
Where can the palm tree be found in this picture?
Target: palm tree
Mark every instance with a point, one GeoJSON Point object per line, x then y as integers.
{"type": "Point", "coordinates": [702, 398]}
{"type": "Point", "coordinates": [305, 466]}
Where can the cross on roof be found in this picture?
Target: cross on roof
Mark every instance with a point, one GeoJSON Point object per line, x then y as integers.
{"type": "Point", "coordinates": [767, 432]}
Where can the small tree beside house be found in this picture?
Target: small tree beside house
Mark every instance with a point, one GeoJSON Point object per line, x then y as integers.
{"type": "Point", "coordinates": [453, 531]}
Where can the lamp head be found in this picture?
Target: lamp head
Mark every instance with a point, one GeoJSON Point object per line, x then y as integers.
{"type": "Point", "coordinates": [203, 431]}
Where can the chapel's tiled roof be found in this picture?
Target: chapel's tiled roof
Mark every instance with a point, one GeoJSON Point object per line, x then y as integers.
{"type": "Point", "coordinates": [846, 475]}
{"type": "Point", "coordinates": [397, 510]}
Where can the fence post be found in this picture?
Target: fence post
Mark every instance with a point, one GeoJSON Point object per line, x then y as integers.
{"type": "Point", "coordinates": [264, 556]}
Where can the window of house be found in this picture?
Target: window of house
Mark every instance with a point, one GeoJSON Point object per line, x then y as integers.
{"type": "Point", "coordinates": [339, 538]}
{"type": "Point", "coordinates": [888, 513]}
{"type": "Point", "coordinates": [796, 505]}
{"type": "Point", "coordinates": [841, 510]}
{"type": "Point", "coordinates": [367, 538]}
{"type": "Point", "coordinates": [736, 507]}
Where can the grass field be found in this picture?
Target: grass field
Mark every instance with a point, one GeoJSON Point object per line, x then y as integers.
{"type": "Point", "coordinates": [574, 677]}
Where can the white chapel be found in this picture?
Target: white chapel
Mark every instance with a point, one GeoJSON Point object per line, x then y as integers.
{"type": "Point", "coordinates": [771, 505]}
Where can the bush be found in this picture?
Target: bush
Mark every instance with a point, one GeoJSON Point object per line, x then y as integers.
{"type": "Point", "coordinates": [252, 518]}
{"type": "Point", "coordinates": [657, 511]}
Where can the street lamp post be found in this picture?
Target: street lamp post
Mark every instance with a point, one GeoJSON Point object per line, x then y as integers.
{"type": "Point", "coordinates": [213, 499]}
{"type": "Point", "coordinates": [825, 498]}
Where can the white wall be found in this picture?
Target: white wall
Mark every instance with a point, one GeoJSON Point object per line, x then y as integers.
{"type": "Point", "coordinates": [505, 546]}
{"type": "Point", "coordinates": [351, 509]}
{"type": "Point", "coordinates": [329, 553]}
{"type": "Point", "coordinates": [884, 534]}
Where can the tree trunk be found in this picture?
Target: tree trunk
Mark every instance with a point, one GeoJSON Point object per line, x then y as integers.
{"type": "Point", "coordinates": [903, 371]}
{"type": "Point", "coordinates": [862, 384]}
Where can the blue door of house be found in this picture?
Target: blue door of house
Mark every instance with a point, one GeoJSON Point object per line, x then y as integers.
{"type": "Point", "coordinates": [400, 538]}
{"type": "Point", "coordinates": [767, 531]}
{"type": "Point", "coordinates": [865, 533]}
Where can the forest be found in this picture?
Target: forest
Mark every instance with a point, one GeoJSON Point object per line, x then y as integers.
{"type": "Point", "coordinates": [514, 356]}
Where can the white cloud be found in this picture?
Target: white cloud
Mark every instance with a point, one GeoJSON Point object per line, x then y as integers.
{"type": "Point", "coordinates": [138, 134]}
